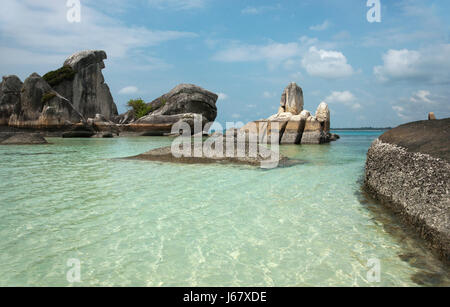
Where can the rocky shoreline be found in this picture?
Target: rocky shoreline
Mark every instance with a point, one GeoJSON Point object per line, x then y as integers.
{"type": "Point", "coordinates": [408, 170]}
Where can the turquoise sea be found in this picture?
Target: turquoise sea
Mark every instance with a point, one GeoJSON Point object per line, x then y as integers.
{"type": "Point", "coordinates": [139, 223]}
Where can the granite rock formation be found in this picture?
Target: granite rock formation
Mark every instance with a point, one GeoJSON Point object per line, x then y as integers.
{"type": "Point", "coordinates": [408, 169]}
{"type": "Point", "coordinates": [9, 98]}
{"type": "Point", "coordinates": [41, 107]}
{"type": "Point", "coordinates": [60, 99]}
{"type": "Point", "coordinates": [295, 125]}
{"type": "Point", "coordinates": [86, 87]}
{"type": "Point", "coordinates": [292, 99]}
{"type": "Point", "coordinates": [184, 103]}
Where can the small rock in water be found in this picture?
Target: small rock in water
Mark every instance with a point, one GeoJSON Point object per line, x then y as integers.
{"type": "Point", "coordinates": [25, 139]}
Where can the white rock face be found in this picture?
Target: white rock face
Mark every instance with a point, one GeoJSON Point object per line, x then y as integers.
{"type": "Point", "coordinates": [292, 99]}
{"type": "Point", "coordinates": [281, 116]}
{"type": "Point", "coordinates": [323, 116]}
{"type": "Point", "coordinates": [305, 114]}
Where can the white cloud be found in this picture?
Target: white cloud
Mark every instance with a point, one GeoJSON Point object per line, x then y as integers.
{"type": "Point", "coordinates": [321, 27]}
{"type": "Point", "coordinates": [246, 53]}
{"type": "Point", "coordinates": [178, 4]}
{"type": "Point", "coordinates": [326, 64]}
{"type": "Point", "coordinates": [431, 65]}
{"type": "Point", "coordinates": [236, 116]}
{"type": "Point", "coordinates": [268, 94]}
{"type": "Point", "coordinates": [222, 96]}
{"type": "Point", "coordinates": [420, 103]}
{"type": "Point", "coordinates": [256, 10]}
{"type": "Point", "coordinates": [128, 90]}
{"type": "Point", "coordinates": [40, 28]}
{"type": "Point", "coordinates": [421, 96]}
{"type": "Point", "coordinates": [346, 98]}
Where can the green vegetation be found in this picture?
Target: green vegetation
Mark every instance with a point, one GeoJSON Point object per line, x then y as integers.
{"type": "Point", "coordinates": [139, 107]}
{"type": "Point", "coordinates": [57, 76]}
{"type": "Point", "coordinates": [47, 97]}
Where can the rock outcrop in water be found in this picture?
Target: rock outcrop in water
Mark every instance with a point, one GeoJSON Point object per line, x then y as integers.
{"type": "Point", "coordinates": [408, 169]}
{"type": "Point", "coordinates": [9, 98]}
{"type": "Point", "coordinates": [22, 139]}
{"type": "Point", "coordinates": [181, 104]}
{"type": "Point", "coordinates": [42, 108]}
{"type": "Point", "coordinates": [60, 99]}
{"type": "Point", "coordinates": [86, 89]}
{"type": "Point", "coordinates": [295, 125]}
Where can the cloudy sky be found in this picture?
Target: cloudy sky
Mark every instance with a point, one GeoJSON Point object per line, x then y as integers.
{"type": "Point", "coordinates": [247, 51]}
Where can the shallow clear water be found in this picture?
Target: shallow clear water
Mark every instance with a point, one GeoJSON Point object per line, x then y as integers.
{"type": "Point", "coordinates": [138, 223]}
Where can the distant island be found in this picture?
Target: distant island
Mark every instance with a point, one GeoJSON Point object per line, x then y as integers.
{"type": "Point", "coordinates": [362, 128]}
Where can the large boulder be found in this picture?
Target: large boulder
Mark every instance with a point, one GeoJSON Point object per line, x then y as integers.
{"type": "Point", "coordinates": [292, 99]}
{"type": "Point", "coordinates": [408, 169]}
{"type": "Point", "coordinates": [313, 132]}
{"type": "Point", "coordinates": [9, 97]}
{"type": "Point", "coordinates": [261, 131]}
{"type": "Point", "coordinates": [323, 116]}
{"type": "Point", "coordinates": [42, 107]}
{"type": "Point", "coordinates": [81, 81]}
{"type": "Point", "coordinates": [187, 98]}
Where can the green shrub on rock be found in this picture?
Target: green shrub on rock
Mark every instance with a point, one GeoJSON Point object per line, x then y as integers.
{"type": "Point", "coordinates": [47, 97]}
{"type": "Point", "coordinates": [139, 107]}
{"type": "Point", "coordinates": [57, 76]}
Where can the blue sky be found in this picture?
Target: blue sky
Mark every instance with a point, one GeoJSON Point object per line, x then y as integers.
{"type": "Point", "coordinates": [370, 74]}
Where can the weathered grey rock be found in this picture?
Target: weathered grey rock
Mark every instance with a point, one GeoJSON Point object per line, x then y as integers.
{"type": "Point", "coordinates": [159, 125]}
{"type": "Point", "coordinates": [101, 124]}
{"type": "Point", "coordinates": [9, 97]}
{"type": "Point", "coordinates": [261, 131]}
{"type": "Point", "coordinates": [253, 154]}
{"type": "Point", "coordinates": [313, 132]}
{"type": "Point", "coordinates": [88, 92]}
{"type": "Point", "coordinates": [323, 116]}
{"type": "Point", "coordinates": [80, 131]}
{"type": "Point", "coordinates": [125, 118]}
{"type": "Point", "coordinates": [305, 114]}
{"type": "Point", "coordinates": [285, 116]}
{"type": "Point", "coordinates": [24, 139]}
{"type": "Point", "coordinates": [431, 116]}
{"type": "Point", "coordinates": [187, 98]}
{"type": "Point", "coordinates": [410, 173]}
{"type": "Point", "coordinates": [292, 99]}
{"type": "Point", "coordinates": [293, 131]}
{"type": "Point", "coordinates": [42, 107]}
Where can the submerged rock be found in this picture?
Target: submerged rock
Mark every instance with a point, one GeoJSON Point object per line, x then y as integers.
{"type": "Point", "coordinates": [408, 169]}
{"type": "Point", "coordinates": [254, 155]}
{"type": "Point", "coordinates": [24, 139]}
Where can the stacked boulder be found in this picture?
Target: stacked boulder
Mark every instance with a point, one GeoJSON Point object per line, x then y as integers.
{"type": "Point", "coordinates": [294, 124]}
